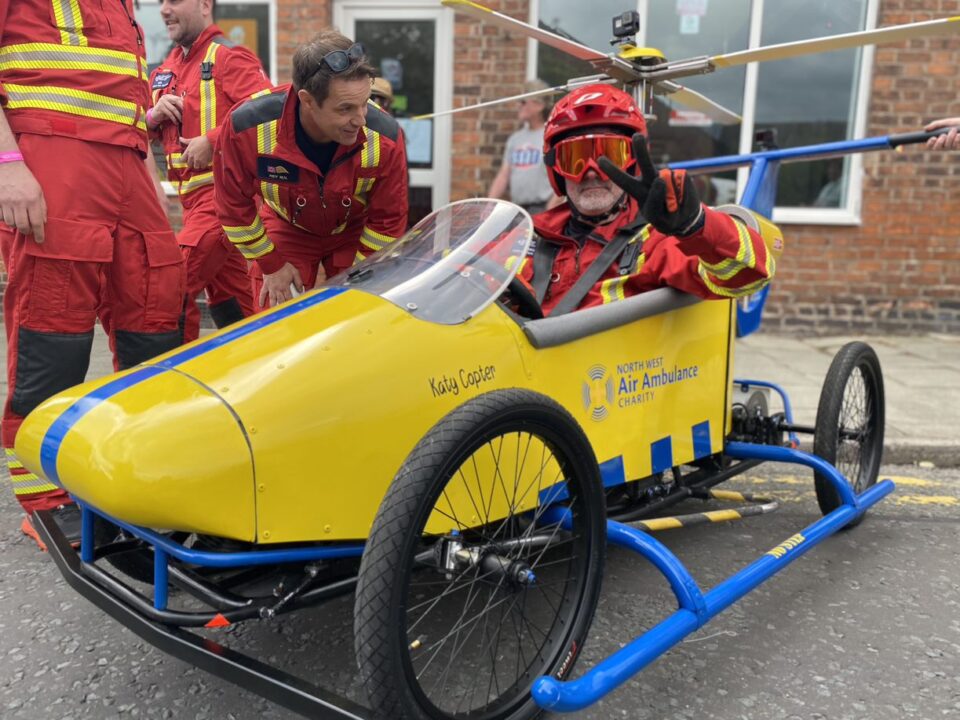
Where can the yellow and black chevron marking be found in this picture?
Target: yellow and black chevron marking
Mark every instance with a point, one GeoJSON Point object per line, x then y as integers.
{"type": "Point", "coordinates": [761, 506]}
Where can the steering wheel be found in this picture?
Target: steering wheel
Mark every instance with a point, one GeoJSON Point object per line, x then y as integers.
{"type": "Point", "coordinates": [526, 302]}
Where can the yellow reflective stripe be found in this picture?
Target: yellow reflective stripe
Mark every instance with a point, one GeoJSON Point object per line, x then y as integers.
{"type": "Point", "coordinates": [359, 257]}
{"type": "Point", "coordinates": [197, 181]}
{"type": "Point", "coordinates": [41, 486]}
{"type": "Point", "coordinates": [266, 137]}
{"type": "Point", "coordinates": [340, 228]}
{"type": "Point", "coordinates": [74, 102]}
{"type": "Point", "coordinates": [612, 290]}
{"type": "Point", "coordinates": [370, 155]}
{"type": "Point", "coordinates": [258, 93]}
{"type": "Point", "coordinates": [723, 270]}
{"type": "Point", "coordinates": [208, 95]}
{"type": "Point", "coordinates": [12, 461]}
{"type": "Point", "coordinates": [746, 258]}
{"type": "Point", "coordinates": [245, 233]}
{"type": "Point", "coordinates": [364, 185]}
{"type": "Point", "coordinates": [374, 240]}
{"type": "Point", "coordinates": [257, 249]}
{"type": "Point", "coordinates": [69, 22]}
{"type": "Point", "coordinates": [175, 161]}
{"type": "Point", "coordinates": [271, 196]}
{"type": "Point", "coordinates": [729, 292]}
{"type": "Point", "coordinates": [745, 254]}
{"type": "Point", "coordinates": [50, 56]}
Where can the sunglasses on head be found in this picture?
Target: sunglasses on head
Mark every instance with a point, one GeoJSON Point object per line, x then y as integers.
{"type": "Point", "coordinates": [340, 60]}
{"type": "Point", "coordinates": [573, 157]}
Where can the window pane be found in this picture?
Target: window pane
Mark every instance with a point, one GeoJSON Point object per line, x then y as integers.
{"type": "Point", "coordinates": [690, 29]}
{"type": "Point", "coordinates": [588, 23]}
{"type": "Point", "coordinates": [810, 99]}
{"type": "Point", "coordinates": [404, 53]}
{"type": "Point", "coordinates": [246, 24]}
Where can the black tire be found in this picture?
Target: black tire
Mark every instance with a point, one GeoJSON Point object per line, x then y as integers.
{"type": "Point", "coordinates": [431, 643]}
{"type": "Point", "coordinates": [850, 421]}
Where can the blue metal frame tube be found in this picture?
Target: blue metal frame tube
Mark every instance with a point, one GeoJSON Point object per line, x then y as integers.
{"type": "Point", "coordinates": [696, 609]}
{"type": "Point", "coordinates": [235, 559]}
{"type": "Point", "coordinates": [161, 586]}
{"type": "Point", "coordinates": [87, 539]}
{"type": "Point", "coordinates": [774, 453]}
{"type": "Point", "coordinates": [806, 152]}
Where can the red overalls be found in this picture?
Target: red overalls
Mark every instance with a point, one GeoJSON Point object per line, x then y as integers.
{"type": "Point", "coordinates": [211, 77]}
{"type": "Point", "coordinates": [704, 264]}
{"type": "Point", "coordinates": [73, 87]}
{"type": "Point", "coordinates": [357, 207]}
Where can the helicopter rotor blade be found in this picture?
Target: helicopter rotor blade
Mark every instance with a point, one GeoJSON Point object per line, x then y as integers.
{"type": "Point", "coordinates": [581, 52]}
{"type": "Point", "coordinates": [695, 101]}
{"type": "Point", "coordinates": [534, 93]}
{"type": "Point", "coordinates": [893, 33]}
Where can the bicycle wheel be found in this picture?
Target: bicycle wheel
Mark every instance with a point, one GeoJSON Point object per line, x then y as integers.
{"type": "Point", "coordinates": [849, 427]}
{"type": "Point", "coordinates": [469, 588]}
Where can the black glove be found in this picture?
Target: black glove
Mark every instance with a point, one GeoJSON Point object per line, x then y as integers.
{"type": "Point", "coordinates": [668, 199]}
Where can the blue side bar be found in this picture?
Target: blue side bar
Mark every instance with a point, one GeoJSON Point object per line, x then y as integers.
{"type": "Point", "coordinates": [696, 609]}
{"type": "Point", "coordinates": [237, 559]}
{"type": "Point", "coordinates": [759, 195]}
{"type": "Point", "coordinates": [747, 451]}
{"type": "Point", "coordinates": [805, 152]}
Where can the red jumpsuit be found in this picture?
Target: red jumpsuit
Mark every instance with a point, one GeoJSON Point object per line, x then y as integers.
{"type": "Point", "coordinates": [211, 78]}
{"type": "Point", "coordinates": [705, 263]}
{"type": "Point", "coordinates": [73, 87]}
{"type": "Point", "coordinates": [357, 207]}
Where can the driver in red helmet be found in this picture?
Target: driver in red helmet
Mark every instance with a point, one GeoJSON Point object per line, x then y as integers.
{"type": "Point", "coordinates": [646, 228]}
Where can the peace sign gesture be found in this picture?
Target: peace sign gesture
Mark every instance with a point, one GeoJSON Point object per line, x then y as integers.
{"type": "Point", "coordinates": [667, 198]}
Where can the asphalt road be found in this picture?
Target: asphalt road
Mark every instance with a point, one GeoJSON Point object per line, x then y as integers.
{"type": "Point", "coordinates": [866, 626]}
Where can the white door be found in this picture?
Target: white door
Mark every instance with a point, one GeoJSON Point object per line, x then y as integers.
{"type": "Point", "coordinates": [411, 44]}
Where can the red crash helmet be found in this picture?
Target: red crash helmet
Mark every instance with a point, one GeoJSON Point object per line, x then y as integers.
{"type": "Point", "coordinates": [584, 110]}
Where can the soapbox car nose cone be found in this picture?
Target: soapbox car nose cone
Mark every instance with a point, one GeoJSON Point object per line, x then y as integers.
{"type": "Point", "coordinates": [152, 447]}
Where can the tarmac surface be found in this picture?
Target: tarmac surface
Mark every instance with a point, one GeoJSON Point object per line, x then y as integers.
{"type": "Point", "coordinates": [921, 376]}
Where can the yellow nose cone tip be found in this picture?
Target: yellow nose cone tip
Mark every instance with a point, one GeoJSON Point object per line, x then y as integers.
{"type": "Point", "coordinates": [152, 446]}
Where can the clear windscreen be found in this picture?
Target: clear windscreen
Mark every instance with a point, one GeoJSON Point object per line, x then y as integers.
{"type": "Point", "coordinates": [450, 265]}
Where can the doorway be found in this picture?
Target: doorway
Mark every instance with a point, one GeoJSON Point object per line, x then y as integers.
{"type": "Point", "coordinates": [411, 45]}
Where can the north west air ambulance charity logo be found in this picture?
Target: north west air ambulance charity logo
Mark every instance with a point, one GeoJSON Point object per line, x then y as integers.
{"type": "Point", "coordinates": [598, 392]}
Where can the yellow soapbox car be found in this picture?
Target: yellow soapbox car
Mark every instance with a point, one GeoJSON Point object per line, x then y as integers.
{"type": "Point", "coordinates": [417, 433]}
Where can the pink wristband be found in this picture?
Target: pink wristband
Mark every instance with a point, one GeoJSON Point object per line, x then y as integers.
{"type": "Point", "coordinates": [8, 157]}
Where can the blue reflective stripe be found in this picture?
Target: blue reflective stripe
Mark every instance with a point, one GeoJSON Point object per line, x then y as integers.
{"type": "Point", "coordinates": [701, 439]}
{"type": "Point", "coordinates": [612, 472]}
{"type": "Point", "coordinates": [281, 313]}
{"type": "Point", "coordinates": [50, 447]}
{"type": "Point", "coordinates": [661, 455]}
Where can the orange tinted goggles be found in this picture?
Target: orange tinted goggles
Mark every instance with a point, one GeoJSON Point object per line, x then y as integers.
{"type": "Point", "coordinates": [574, 156]}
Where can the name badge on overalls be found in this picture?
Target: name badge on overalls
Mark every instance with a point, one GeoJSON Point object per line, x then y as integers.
{"type": "Point", "coordinates": [162, 80]}
{"type": "Point", "coordinates": [275, 170]}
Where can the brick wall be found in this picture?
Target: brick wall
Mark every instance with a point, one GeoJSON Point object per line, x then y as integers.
{"type": "Point", "coordinates": [899, 271]}
{"type": "Point", "coordinates": [488, 63]}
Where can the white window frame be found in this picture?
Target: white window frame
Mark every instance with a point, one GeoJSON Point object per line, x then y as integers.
{"type": "Point", "coordinates": [438, 177]}
{"type": "Point", "coordinates": [271, 34]}
{"type": "Point", "coordinates": [850, 212]}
